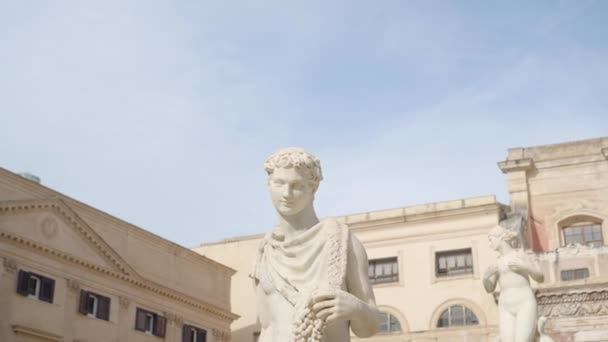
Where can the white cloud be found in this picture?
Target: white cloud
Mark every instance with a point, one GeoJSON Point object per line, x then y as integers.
{"type": "Point", "coordinates": [162, 113]}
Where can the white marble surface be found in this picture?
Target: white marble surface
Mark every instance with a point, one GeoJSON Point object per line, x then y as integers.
{"type": "Point", "coordinates": [305, 266]}
{"type": "Point", "coordinates": [517, 308]}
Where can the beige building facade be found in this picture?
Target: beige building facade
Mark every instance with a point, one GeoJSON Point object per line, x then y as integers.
{"type": "Point", "coordinates": [426, 261]}
{"type": "Point", "coordinates": [70, 272]}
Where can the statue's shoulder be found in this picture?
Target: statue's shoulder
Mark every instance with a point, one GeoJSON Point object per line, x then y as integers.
{"type": "Point", "coordinates": [331, 224]}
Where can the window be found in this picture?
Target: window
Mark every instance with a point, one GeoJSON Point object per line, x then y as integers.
{"type": "Point", "coordinates": [150, 323]}
{"type": "Point", "coordinates": [451, 263]}
{"type": "Point", "coordinates": [579, 273]}
{"type": "Point", "coordinates": [383, 271]}
{"type": "Point", "coordinates": [584, 233]}
{"type": "Point", "coordinates": [457, 316]}
{"type": "Point", "coordinates": [193, 334]}
{"type": "Point", "coordinates": [36, 286]}
{"type": "Point", "coordinates": [389, 324]}
{"type": "Point", "coordinates": [94, 305]}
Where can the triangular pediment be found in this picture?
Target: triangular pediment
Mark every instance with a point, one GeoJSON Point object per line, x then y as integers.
{"type": "Point", "coordinates": [52, 227]}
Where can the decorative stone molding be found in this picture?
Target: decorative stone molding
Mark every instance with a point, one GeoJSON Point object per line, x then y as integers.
{"type": "Point", "coordinates": [523, 164]}
{"type": "Point", "coordinates": [573, 303]}
{"type": "Point", "coordinates": [73, 285]}
{"type": "Point", "coordinates": [10, 265]}
{"type": "Point", "coordinates": [30, 332]}
{"type": "Point", "coordinates": [59, 207]}
{"type": "Point", "coordinates": [174, 319]}
{"type": "Point", "coordinates": [580, 207]}
{"type": "Point", "coordinates": [122, 270]}
{"type": "Point", "coordinates": [124, 302]}
{"type": "Point", "coordinates": [49, 227]}
{"type": "Point", "coordinates": [221, 335]}
{"type": "Point", "coordinates": [575, 250]}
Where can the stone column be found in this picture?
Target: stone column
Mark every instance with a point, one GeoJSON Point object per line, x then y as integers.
{"type": "Point", "coordinates": [518, 168]}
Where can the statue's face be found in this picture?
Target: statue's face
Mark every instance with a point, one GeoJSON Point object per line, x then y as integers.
{"type": "Point", "coordinates": [290, 191]}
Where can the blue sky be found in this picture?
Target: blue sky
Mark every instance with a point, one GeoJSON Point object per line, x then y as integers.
{"type": "Point", "coordinates": [162, 113]}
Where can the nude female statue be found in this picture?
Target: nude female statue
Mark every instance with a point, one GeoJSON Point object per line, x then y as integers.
{"type": "Point", "coordinates": [517, 303]}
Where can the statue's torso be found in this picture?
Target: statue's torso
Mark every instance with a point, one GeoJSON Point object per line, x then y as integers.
{"type": "Point", "coordinates": [289, 272]}
{"type": "Point", "coordinates": [277, 320]}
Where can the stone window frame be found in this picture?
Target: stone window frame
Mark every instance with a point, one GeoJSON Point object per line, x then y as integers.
{"type": "Point", "coordinates": [100, 311]}
{"type": "Point", "coordinates": [568, 212]}
{"type": "Point", "coordinates": [391, 279]}
{"type": "Point", "coordinates": [576, 221]}
{"type": "Point", "coordinates": [191, 333]}
{"type": "Point", "coordinates": [475, 308]}
{"type": "Point", "coordinates": [44, 287]}
{"type": "Point", "coordinates": [465, 311]}
{"type": "Point", "coordinates": [454, 253]}
{"type": "Point", "coordinates": [575, 274]}
{"type": "Point", "coordinates": [434, 249]}
{"type": "Point", "coordinates": [157, 326]}
{"type": "Point", "coordinates": [392, 311]}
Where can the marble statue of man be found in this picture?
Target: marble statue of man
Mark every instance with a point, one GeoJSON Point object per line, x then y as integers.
{"type": "Point", "coordinates": [517, 312]}
{"type": "Point", "coordinates": [310, 276]}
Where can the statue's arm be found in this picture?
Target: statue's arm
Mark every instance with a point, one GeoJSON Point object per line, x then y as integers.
{"type": "Point", "coordinates": [365, 321]}
{"type": "Point", "coordinates": [261, 304]}
{"type": "Point", "coordinates": [534, 269]}
{"type": "Point", "coordinates": [490, 278]}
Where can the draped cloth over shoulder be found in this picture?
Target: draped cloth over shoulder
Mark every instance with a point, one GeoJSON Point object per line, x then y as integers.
{"type": "Point", "coordinates": [297, 268]}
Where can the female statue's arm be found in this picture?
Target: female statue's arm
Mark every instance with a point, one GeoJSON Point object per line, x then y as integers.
{"type": "Point", "coordinates": [527, 265]}
{"type": "Point", "coordinates": [534, 270]}
{"type": "Point", "coordinates": [490, 278]}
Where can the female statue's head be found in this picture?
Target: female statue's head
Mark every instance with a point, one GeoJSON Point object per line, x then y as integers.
{"type": "Point", "coordinates": [293, 178]}
{"type": "Point", "coordinates": [502, 238]}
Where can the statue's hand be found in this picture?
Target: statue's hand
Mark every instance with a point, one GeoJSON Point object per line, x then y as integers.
{"type": "Point", "coordinates": [518, 265]}
{"type": "Point", "coordinates": [490, 271]}
{"type": "Point", "coordinates": [336, 304]}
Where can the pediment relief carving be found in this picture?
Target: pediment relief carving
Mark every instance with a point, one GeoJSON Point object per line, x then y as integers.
{"type": "Point", "coordinates": [119, 269]}
{"type": "Point", "coordinates": [573, 304]}
{"type": "Point", "coordinates": [60, 222]}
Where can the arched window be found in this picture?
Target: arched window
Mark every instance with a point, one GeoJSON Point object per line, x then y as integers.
{"type": "Point", "coordinates": [457, 316]}
{"type": "Point", "coordinates": [389, 324]}
{"type": "Point", "coordinates": [583, 231]}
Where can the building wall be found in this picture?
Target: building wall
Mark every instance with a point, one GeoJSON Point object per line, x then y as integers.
{"type": "Point", "coordinates": [81, 248]}
{"type": "Point", "coordinates": [554, 184]}
{"type": "Point", "coordinates": [560, 185]}
{"type": "Point", "coordinates": [413, 235]}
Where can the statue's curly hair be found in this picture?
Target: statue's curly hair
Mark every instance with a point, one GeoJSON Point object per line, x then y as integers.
{"type": "Point", "coordinates": [298, 158]}
{"type": "Point", "coordinates": [504, 233]}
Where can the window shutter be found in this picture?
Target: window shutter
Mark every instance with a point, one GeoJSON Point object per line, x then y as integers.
{"type": "Point", "coordinates": [47, 289]}
{"type": "Point", "coordinates": [202, 336]}
{"type": "Point", "coordinates": [22, 283]}
{"type": "Point", "coordinates": [186, 333]}
{"type": "Point", "coordinates": [103, 308]}
{"type": "Point", "coordinates": [160, 326]}
{"type": "Point", "coordinates": [82, 306]}
{"type": "Point", "coordinates": [140, 320]}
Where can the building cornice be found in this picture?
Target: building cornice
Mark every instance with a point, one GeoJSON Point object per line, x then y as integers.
{"type": "Point", "coordinates": [523, 164]}
{"type": "Point", "coordinates": [58, 207]}
{"type": "Point", "coordinates": [120, 269]}
{"type": "Point", "coordinates": [19, 329]}
{"type": "Point", "coordinates": [42, 192]}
